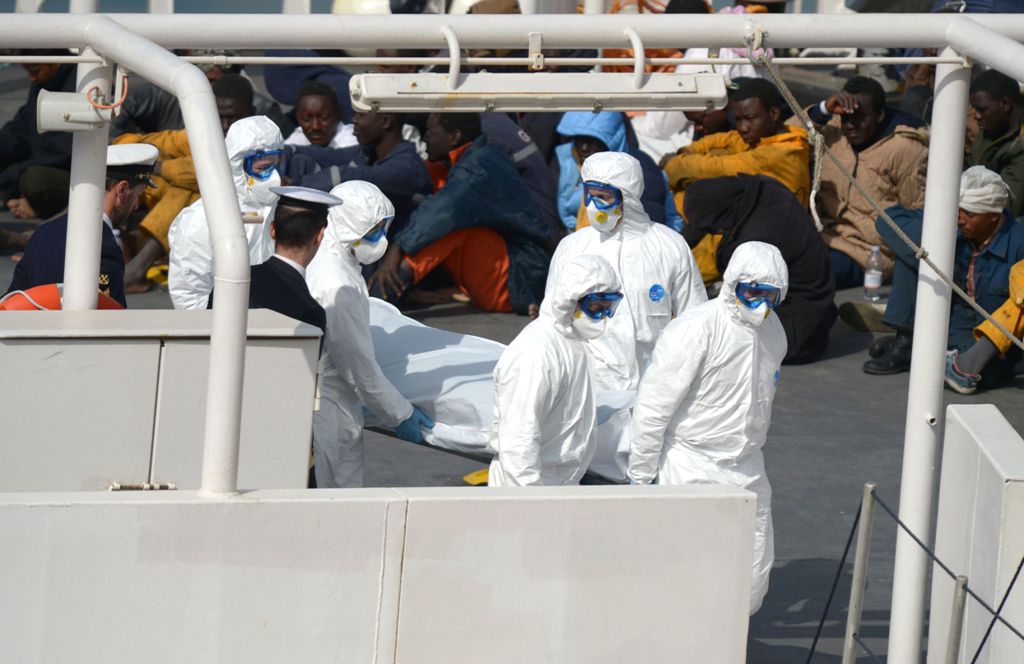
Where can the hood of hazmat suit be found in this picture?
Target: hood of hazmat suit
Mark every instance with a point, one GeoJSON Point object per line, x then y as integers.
{"type": "Point", "coordinates": [190, 270]}
{"type": "Point", "coordinates": [659, 277]}
{"type": "Point", "coordinates": [704, 406]}
{"type": "Point", "coordinates": [349, 374]}
{"type": "Point", "coordinates": [246, 137]}
{"type": "Point", "coordinates": [544, 410]}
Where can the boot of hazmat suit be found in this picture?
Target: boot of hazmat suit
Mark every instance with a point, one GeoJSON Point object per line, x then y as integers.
{"type": "Point", "coordinates": [704, 405]}
{"type": "Point", "coordinates": [544, 412]}
{"type": "Point", "coordinates": [254, 150]}
{"type": "Point", "coordinates": [659, 278]}
{"type": "Point", "coordinates": [349, 374]}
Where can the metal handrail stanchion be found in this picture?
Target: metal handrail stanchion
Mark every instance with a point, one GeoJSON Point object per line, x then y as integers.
{"type": "Point", "coordinates": [956, 620]}
{"type": "Point", "coordinates": [860, 572]}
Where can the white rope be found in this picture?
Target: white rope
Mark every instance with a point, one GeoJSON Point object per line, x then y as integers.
{"type": "Point", "coordinates": [819, 149]}
{"type": "Point", "coordinates": [756, 36]}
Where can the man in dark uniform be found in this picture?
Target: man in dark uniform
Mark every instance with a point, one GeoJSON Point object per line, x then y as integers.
{"type": "Point", "coordinates": [128, 171]}
{"type": "Point", "coordinates": [279, 284]}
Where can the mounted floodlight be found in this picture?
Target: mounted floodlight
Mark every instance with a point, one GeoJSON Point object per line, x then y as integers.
{"type": "Point", "coordinates": [410, 93]}
{"type": "Point", "coordinates": [68, 111]}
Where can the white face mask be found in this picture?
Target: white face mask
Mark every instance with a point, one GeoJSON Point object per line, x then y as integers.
{"type": "Point", "coordinates": [586, 327]}
{"type": "Point", "coordinates": [753, 317]}
{"type": "Point", "coordinates": [603, 221]}
{"type": "Point", "coordinates": [259, 190]}
{"type": "Point", "coordinates": [369, 252]}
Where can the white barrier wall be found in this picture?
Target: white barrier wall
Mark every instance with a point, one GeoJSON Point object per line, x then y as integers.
{"type": "Point", "coordinates": [557, 575]}
{"type": "Point", "coordinates": [979, 533]}
{"type": "Point", "coordinates": [96, 397]}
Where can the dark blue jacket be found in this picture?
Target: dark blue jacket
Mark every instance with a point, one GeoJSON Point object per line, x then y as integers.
{"type": "Point", "coordinates": [503, 133]}
{"type": "Point", "coordinates": [277, 286]}
{"type": "Point", "coordinates": [483, 190]}
{"type": "Point", "coordinates": [22, 146]}
{"type": "Point", "coordinates": [283, 81]}
{"type": "Point", "coordinates": [401, 175]}
{"type": "Point", "coordinates": [43, 262]}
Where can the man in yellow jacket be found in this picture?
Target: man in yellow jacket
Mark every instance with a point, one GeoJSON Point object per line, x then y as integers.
{"type": "Point", "coordinates": [761, 144]}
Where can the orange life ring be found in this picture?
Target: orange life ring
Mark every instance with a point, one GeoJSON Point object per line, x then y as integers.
{"type": "Point", "coordinates": [48, 297]}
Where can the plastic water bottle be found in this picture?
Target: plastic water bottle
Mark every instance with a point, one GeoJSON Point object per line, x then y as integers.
{"type": "Point", "coordinates": [873, 275]}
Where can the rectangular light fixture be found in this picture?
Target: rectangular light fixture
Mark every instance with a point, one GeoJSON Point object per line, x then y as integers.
{"type": "Point", "coordinates": [544, 91]}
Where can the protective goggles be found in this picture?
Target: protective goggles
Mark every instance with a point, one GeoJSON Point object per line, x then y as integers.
{"type": "Point", "coordinates": [378, 231]}
{"type": "Point", "coordinates": [592, 192]}
{"type": "Point", "coordinates": [600, 305]}
{"type": "Point", "coordinates": [261, 165]}
{"type": "Point", "coordinates": [753, 294]}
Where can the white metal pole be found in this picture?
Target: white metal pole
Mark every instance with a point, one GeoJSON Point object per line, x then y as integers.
{"type": "Point", "coordinates": [230, 248]}
{"type": "Point", "coordinates": [861, 561]}
{"type": "Point", "coordinates": [85, 203]}
{"type": "Point", "coordinates": [924, 405]}
{"type": "Point", "coordinates": [161, 6]}
{"type": "Point", "coordinates": [250, 31]}
{"type": "Point", "coordinates": [27, 6]}
{"type": "Point", "coordinates": [956, 620]}
{"type": "Point", "coordinates": [82, 7]}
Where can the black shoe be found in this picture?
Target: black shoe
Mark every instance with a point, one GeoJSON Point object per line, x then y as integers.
{"type": "Point", "coordinates": [894, 360]}
{"type": "Point", "coordinates": [881, 345]}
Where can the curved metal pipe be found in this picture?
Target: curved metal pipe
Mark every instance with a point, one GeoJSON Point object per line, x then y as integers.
{"type": "Point", "coordinates": [230, 249]}
{"type": "Point", "coordinates": [975, 41]}
{"type": "Point", "coordinates": [455, 53]}
{"type": "Point", "coordinates": [637, 45]}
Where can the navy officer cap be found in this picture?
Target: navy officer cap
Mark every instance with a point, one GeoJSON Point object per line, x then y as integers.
{"type": "Point", "coordinates": [132, 162]}
{"type": "Point", "coordinates": [306, 198]}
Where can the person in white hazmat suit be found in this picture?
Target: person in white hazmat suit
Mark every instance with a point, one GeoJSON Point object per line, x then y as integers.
{"type": "Point", "coordinates": [705, 403]}
{"type": "Point", "coordinates": [254, 151]}
{"type": "Point", "coordinates": [349, 374]}
{"type": "Point", "coordinates": [659, 278]}
{"type": "Point", "coordinates": [544, 409]}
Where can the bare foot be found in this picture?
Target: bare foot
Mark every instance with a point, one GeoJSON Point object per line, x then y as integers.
{"type": "Point", "coordinates": [533, 311]}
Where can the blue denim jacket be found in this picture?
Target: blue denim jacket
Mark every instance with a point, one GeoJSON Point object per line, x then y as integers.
{"type": "Point", "coordinates": [991, 279]}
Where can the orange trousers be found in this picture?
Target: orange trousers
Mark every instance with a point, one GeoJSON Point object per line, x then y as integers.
{"type": "Point", "coordinates": [477, 261]}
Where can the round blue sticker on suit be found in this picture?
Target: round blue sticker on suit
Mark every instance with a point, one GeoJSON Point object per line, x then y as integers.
{"type": "Point", "coordinates": [656, 293]}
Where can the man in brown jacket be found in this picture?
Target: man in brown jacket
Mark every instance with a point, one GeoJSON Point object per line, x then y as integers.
{"type": "Point", "coordinates": [883, 149]}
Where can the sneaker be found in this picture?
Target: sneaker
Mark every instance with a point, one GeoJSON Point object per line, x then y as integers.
{"type": "Point", "coordinates": [958, 380]}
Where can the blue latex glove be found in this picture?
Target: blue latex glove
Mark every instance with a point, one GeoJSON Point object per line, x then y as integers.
{"type": "Point", "coordinates": [412, 429]}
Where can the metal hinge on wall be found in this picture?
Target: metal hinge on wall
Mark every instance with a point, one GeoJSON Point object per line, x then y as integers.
{"type": "Point", "coordinates": [141, 486]}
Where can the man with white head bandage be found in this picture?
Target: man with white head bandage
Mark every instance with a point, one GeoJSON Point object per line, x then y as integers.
{"type": "Point", "coordinates": [989, 241]}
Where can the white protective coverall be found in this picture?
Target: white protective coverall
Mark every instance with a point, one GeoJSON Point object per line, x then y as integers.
{"type": "Point", "coordinates": [545, 417]}
{"type": "Point", "coordinates": [659, 278]}
{"type": "Point", "coordinates": [349, 374]}
{"type": "Point", "coordinates": [705, 403]}
{"type": "Point", "coordinates": [190, 270]}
